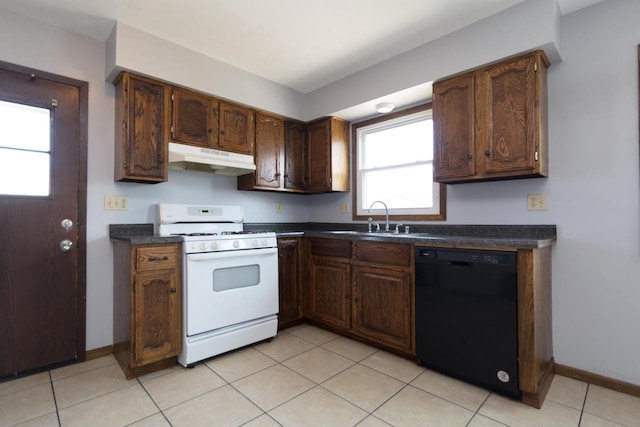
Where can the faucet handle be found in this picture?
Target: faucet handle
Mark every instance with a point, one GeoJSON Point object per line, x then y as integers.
{"type": "Point", "coordinates": [397, 231]}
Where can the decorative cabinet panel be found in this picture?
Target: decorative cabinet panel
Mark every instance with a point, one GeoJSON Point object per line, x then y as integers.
{"type": "Point", "coordinates": [382, 302]}
{"type": "Point", "coordinates": [147, 306]}
{"type": "Point", "coordinates": [142, 130]}
{"type": "Point", "coordinates": [490, 124]}
{"type": "Point", "coordinates": [295, 156]}
{"type": "Point", "coordinates": [237, 128]}
{"type": "Point", "coordinates": [330, 282]}
{"type": "Point", "coordinates": [195, 118]}
{"type": "Point", "coordinates": [289, 273]}
{"type": "Point", "coordinates": [269, 149]}
{"type": "Point", "coordinates": [328, 162]}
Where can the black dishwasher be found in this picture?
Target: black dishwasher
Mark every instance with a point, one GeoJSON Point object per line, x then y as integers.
{"type": "Point", "coordinates": [466, 316]}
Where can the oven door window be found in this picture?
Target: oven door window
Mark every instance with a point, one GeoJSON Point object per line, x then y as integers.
{"type": "Point", "coordinates": [236, 277]}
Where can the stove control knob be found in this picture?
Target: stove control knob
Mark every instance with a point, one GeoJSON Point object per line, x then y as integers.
{"type": "Point", "coordinates": [214, 245]}
{"type": "Point", "coordinates": [202, 246]}
{"type": "Point", "coordinates": [264, 242]}
{"type": "Point", "coordinates": [254, 243]}
{"type": "Point", "coordinates": [193, 246]}
{"type": "Point", "coordinates": [236, 244]}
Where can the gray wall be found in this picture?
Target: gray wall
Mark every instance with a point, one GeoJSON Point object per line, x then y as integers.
{"type": "Point", "coordinates": [593, 189]}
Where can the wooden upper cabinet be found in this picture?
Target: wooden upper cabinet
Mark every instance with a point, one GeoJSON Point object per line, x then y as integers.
{"type": "Point", "coordinates": [237, 128]}
{"type": "Point", "coordinates": [268, 150]}
{"type": "Point", "coordinates": [195, 118]}
{"type": "Point", "coordinates": [491, 123]}
{"type": "Point", "coordinates": [142, 129]}
{"type": "Point", "coordinates": [328, 149]}
{"type": "Point", "coordinates": [454, 128]}
{"type": "Point", "coordinates": [511, 114]}
{"type": "Point", "coordinates": [295, 155]}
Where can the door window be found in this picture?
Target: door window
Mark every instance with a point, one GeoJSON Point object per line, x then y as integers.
{"type": "Point", "coordinates": [25, 150]}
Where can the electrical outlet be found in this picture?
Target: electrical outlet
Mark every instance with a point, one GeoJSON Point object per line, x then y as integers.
{"type": "Point", "coordinates": [278, 207]}
{"type": "Point", "coordinates": [116, 203]}
{"type": "Point", "coordinates": [537, 202]}
{"type": "Point", "coordinates": [344, 208]}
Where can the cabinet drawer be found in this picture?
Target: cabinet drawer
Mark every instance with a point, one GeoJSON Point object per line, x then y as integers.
{"type": "Point", "coordinates": [157, 257]}
{"type": "Point", "coordinates": [331, 247]}
{"type": "Point", "coordinates": [384, 253]}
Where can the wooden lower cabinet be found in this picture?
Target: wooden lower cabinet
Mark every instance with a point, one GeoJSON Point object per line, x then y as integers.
{"type": "Point", "coordinates": [383, 294]}
{"type": "Point", "coordinates": [331, 292]}
{"type": "Point", "coordinates": [147, 306]}
{"type": "Point", "coordinates": [368, 295]}
{"type": "Point", "coordinates": [382, 306]}
{"type": "Point", "coordinates": [289, 268]}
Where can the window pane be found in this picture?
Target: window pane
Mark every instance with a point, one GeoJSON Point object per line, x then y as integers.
{"type": "Point", "coordinates": [402, 144]}
{"type": "Point", "coordinates": [24, 172]}
{"type": "Point", "coordinates": [24, 127]}
{"type": "Point", "coordinates": [400, 188]}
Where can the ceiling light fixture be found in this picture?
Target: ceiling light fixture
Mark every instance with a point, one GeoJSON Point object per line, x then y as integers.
{"type": "Point", "coordinates": [385, 107]}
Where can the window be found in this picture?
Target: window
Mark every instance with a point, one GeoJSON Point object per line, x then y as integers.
{"type": "Point", "coordinates": [394, 164]}
{"type": "Point", "coordinates": [25, 155]}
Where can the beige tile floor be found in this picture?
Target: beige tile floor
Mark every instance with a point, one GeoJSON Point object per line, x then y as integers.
{"type": "Point", "coordinates": [305, 377]}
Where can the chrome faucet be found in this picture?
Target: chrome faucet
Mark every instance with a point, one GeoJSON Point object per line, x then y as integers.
{"type": "Point", "coordinates": [386, 210]}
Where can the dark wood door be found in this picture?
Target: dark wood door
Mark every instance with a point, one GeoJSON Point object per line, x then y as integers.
{"type": "Point", "coordinates": [508, 116]}
{"type": "Point", "coordinates": [195, 118]}
{"type": "Point", "coordinates": [237, 128]}
{"type": "Point", "coordinates": [454, 128]}
{"type": "Point", "coordinates": [288, 279]}
{"type": "Point", "coordinates": [42, 309]}
{"type": "Point", "coordinates": [142, 129]}
{"type": "Point", "coordinates": [269, 142]}
{"type": "Point", "coordinates": [382, 306]}
{"type": "Point", "coordinates": [295, 156]}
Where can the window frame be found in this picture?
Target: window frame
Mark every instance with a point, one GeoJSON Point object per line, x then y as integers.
{"type": "Point", "coordinates": [355, 175]}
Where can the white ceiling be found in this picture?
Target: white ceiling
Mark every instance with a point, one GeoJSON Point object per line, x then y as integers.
{"type": "Point", "coordinates": [302, 44]}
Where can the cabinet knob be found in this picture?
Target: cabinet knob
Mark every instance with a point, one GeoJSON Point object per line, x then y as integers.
{"type": "Point", "coordinates": [173, 290]}
{"type": "Point", "coordinates": [355, 299]}
{"type": "Point", "coordinates": [487, 153]}
{"type": "Point", "coordinates": [469, 157]}
{"type": "Point", "coordinates": [210, 130]}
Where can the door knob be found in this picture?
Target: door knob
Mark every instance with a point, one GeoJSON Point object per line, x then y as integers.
{"type": "Point", "coordinates": [65, 245]}
{"type": "Point", "coordinates": [67, 224]}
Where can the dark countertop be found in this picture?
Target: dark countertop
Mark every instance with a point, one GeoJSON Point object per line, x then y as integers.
{"type": "Point", "coordinates": [139, 234]}
{"type": "Point", "coordinates": [477, 236]}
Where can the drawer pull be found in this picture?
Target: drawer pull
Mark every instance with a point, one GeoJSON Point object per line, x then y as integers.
{"type": "Point", "coordinates": [158, 258]}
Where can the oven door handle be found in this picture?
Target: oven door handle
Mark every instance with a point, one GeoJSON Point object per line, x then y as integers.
{"type": "Point", "coordinates": [231, 254]}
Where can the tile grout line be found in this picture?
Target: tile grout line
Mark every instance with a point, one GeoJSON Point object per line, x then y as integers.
{"type": "Point", "coordinates": [55, 401]}
{"type": "Point", "coordinates": [154, 402]}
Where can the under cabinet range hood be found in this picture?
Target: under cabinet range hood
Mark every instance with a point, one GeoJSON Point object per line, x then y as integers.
{"type": "Point", "coordinates": [183, 156]}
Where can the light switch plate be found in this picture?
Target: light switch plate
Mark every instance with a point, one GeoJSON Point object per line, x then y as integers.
{"type": "Point", "coordinates": [537, 202]}
{"type": "Point", "coordinates": [116, 203]}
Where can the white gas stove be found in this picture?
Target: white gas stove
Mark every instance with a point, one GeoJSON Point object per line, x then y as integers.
{"type": "Point", "coordinates": [229, 279]}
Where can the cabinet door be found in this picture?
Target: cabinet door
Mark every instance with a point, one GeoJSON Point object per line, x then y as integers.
{"type": "Point", "coordinates": [269, 142]}
{"type": "Point", "coordinates": [156, 316]}
{"type": "Point", "coordinates": [288, 277]}
{"type": "Point", "coordinates": [295, 156]}
{"type": "Point", "coordinates": [237, 128]}
{"type": "Point", "coordinates": [454, 128]}
{"type": "Point", "coordinates": [382, 306]}
{"type": "Point", "coordinates": [331, 292]}
{"type": "Point", "coordinates": [195, 118]}
{"type": "Point", "coordinates": [319, 162]}
{"type": "Point", "coordinates": [141, 145]}
{"type": "Point", "coordinates": [508, 115]}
